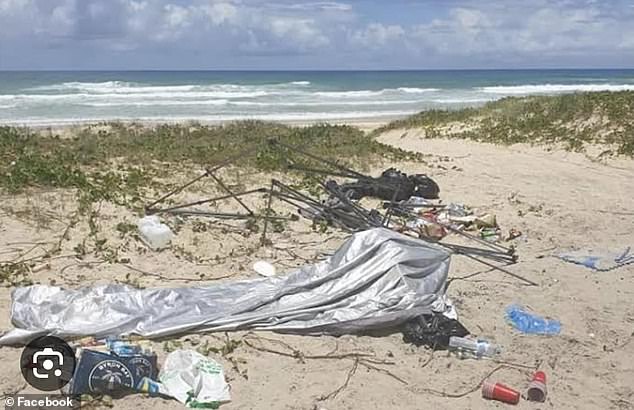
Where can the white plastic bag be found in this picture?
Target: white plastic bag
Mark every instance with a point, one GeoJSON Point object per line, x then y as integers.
{"type": "Point", "coordinates": [194, 379]}
{"type": "Point", "coordinates": [156, 234]}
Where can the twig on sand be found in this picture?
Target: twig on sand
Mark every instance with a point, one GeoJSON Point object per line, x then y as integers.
{"type": "Point", "coordinates": [430, 358]}
{"type": "Point", "coordinates": [64, 236]}
{"type": "Point", "coordinates": [364, 359]}
{"type": "Point", "coordinates": [457, 395]}
{"type": "Point", "coordinates": [81, 264]}
{"type": "Point", "coordinates": [334, 393]}
{"type": "Point", "coordinates": [23, 254]}
{"type": "Point", "coordinates": [173, 278]}
{"type": "Point", "coordinates": [295, 256]}
{"type": "Point", "coordinates": [369, 365]}
{"type": "Point", "coordinates": [298, 354]}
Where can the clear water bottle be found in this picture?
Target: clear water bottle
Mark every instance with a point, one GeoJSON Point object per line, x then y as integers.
{"type": "Point", "coordinates": [472, 348]}
{"type": "Point", "coordinates": [527, 322]}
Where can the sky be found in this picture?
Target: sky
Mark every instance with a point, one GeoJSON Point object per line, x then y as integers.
{"type": "Point", "coordinates": [291, 34]}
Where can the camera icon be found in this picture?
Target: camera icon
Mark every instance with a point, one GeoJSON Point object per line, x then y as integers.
{"type": "Point", "coordinates": [47, 357]}
{"type": "Point", "coordinates": [48, 363]}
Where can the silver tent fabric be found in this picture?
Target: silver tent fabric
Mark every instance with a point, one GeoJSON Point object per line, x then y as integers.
{"type": "Point", "coordinates": [376, 279]}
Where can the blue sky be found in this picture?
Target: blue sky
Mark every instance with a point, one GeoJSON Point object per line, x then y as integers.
{"type": "Point", "coordinates": [290, 34]}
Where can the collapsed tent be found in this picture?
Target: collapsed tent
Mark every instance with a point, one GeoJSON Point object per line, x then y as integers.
{"type": "Point", "coordinates": [378, 278]}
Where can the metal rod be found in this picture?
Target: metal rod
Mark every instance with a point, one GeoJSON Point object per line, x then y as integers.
{"type": "Point", "coordinates": [294, 191]}
{"type": "Point", "coordinates": [222, 164]}
{"type": "Point", "coordinates": [175, 191]}
{"type": "Point", "coordinates": [359, 210]}
{"type": "Point", "coordinates": [204, 201]}
{"type": "Point", "coordinates": [316, 158]}
{"type": "Point", "coordinates": [239, 155]}
{"type": "Point", "coordinates": [386, 217]}
{"type": "Point", "coordinates": [268, 211]}
{"type": "Point", "coordinates": [515, 275]}
{"type": "Point", "coordinates": [402, 205]}
{"type": "Point", "coordinates": [346, 201]}
{"type": "Point", "coordinates": [222, 215]}
{"type": "Point", "coordinates": [320, 171]}
{"type": "Point", "coordinates": [328, 213]}
{"type": "Point", "coordinates": [471, 248]}
{"type": "Point", "coordinates": [457, 251]}
{"type": "Point", "coordinates": [226, 188]}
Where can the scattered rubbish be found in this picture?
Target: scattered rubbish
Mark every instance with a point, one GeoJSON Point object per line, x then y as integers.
{"type": "Point", "coordinates": [513, 234]}
{"type": "Point", "coordinates": [194, 380]}
{"type": "Point", "coordinates": [264, 268]}
{"type": "Point", "coordinates": [500, 392]}
{"type": "Point", "coordinates": [113, 367]}
{"type": "Point", "coordinates": [472, 348]}
{"type": "Point", "coordinates": [486, 221]}
{"type": "Point", "coordinates": [527, 322]}
{"type": "Point", "coordinates": [377, 279]}
{"type": "Point", "coordinates": [156, 234]}
{"type": "Point", "coordinates": [433, 331]}
{"type": "Point", "coordinates": [490, 234]}
{"type": "Point", "coordinates": [457, 210]}
{"type": "Point", "coordinates": [427, 228]}
{"type": "Point", "coordinates": [411, 208]}
{"type": "Point", "coordinates": [537, 388]}
{"type": "Point", "coordinates": [417, 202]}
{"type": "Point", "coordinates": [602, 261]}
{"type": "Point", "coordinates": [151, 387]}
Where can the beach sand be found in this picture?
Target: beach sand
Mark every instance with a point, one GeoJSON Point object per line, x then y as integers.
{"type": "Point", "coordinates": [558, 200]}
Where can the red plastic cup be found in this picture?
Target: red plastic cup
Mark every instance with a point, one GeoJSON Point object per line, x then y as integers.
{"type": "Point", "coordinates": [500, 392]}
{"type": "Point", "coordinates": [537, 388]}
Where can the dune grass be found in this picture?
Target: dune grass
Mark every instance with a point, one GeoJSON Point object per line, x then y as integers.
{"type": "Point", "coordinates": [114, 161]}
{"type": "Point", "coordinates": [573, 120]}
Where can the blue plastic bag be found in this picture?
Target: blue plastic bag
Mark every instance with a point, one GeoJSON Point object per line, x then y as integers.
{"type": "Point", "coordinates": [602, 261]}
{"type": "Point", "coordinates": [530, 323]}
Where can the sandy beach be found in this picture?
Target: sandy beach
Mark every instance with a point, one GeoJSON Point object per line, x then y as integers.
{"type": "Point", "coordinates": [559, 201]}
{"type": "Point", "coordinates": [317, 205]}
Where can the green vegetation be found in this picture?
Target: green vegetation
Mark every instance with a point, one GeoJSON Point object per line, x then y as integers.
{"type": "Point", "coordinates": [92, 160]}
{"type": "Point", "coordinates": [574, 120]}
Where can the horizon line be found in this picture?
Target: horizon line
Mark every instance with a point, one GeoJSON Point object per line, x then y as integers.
{"type": "Point", "coordinates": [320, 70]}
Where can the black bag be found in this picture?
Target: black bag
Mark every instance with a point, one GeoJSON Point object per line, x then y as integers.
{"type": "Point", "coordinates": [432, 330]}
{"type": "Point", "coordinates": [392, 185]}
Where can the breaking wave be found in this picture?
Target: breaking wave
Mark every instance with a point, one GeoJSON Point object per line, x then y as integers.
{"type": "Point", "coordinates": [285, 100]}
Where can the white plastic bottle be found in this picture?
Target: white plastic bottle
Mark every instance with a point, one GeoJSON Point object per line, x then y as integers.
{"type": "Point", "coordinates": [156, 234]}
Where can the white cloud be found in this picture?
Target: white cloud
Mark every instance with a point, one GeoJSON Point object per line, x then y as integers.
{"type": "Point", "coordinates": [458, 32]}
{"type": "Point", "coordinates": [62, 19]}
{"type": "Point", "coordinates": [321, 6]}
{"type": "Point", "coordinates": [302, 31]}
{"type": "Point", "coordinates": [8, 7]}
{"type": "Point", "coordinates": [220, 13]}
{"type": "Point", "coordinates": [532, 29]}
{"type": "Point", "coordinates": [177, 17]}
{"type": "Point", "coordinates": [377, 35]}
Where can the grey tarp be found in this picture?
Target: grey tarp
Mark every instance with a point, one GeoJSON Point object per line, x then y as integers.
{"type": "Point", "coordinates": [376, 279]}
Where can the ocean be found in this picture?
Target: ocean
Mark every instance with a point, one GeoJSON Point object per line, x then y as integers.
{"type": "Point", "coordinates": [57, 98]}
